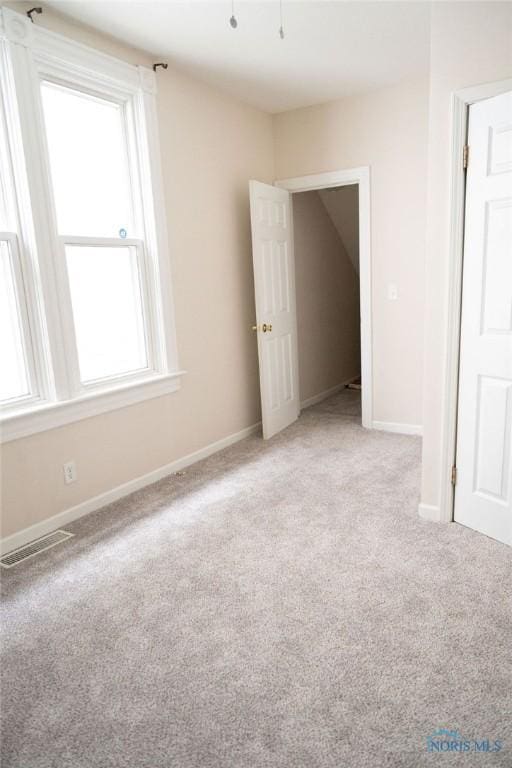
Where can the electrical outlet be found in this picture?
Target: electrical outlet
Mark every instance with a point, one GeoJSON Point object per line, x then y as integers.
{"type": "Point", "coordinates": [69, 472]}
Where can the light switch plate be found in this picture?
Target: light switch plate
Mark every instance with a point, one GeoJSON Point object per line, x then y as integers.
{"type": "Point", "coordinates": [392, 292]}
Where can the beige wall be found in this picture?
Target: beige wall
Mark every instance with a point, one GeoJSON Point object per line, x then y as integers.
{"type": "Point", "coordinates": [471, 43]}
{"type": "Point", "coordinates": [211, 146]}
{"type": "Point", "coordinates": [327, 300]}
{"type": "Point", "coordinates": [342, 204]}
{"type": "Point", "coordinates": [386, 130]}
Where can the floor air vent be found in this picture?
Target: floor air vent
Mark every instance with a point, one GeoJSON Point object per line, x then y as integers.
{"type": "Point", "coordinates": [34, 548]}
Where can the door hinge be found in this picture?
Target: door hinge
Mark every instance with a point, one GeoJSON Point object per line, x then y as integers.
{"type": "Point", "coordinates": [454, 475]}
{"type": "Point", "coordinates": [465, 156]}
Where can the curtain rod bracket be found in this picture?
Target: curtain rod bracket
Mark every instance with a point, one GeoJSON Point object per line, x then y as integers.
{"type": "Point", "coordinates": [37, 9]}
{"type": "Point", "coordinates": [160, 64]}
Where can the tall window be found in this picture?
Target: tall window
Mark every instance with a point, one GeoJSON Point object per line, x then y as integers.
{"type": "Point", "coordinates": [85, 307]}
{"type": "Point", "coordinates": [96, 194]}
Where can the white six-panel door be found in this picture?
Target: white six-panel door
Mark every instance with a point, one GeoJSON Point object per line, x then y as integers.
{"type": "Point", "coordinates": [276, 323]}
{"type": "Point", "coordinates": [483, 493]}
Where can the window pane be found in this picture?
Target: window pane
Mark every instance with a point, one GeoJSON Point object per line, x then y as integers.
{"type": "Point", "coordinates": [107, 310]}
{"type": "Point", "coordinates": [3, 203]}
{"type": "Point", "coordinates": [14, 376]}
{"type": "Point", "coordinates": [88, 160]}
{"type": "Point", "coordinates": [5, 172]}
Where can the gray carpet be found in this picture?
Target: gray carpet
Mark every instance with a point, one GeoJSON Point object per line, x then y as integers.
{"type": "Point", "coordinates": [279, 605]}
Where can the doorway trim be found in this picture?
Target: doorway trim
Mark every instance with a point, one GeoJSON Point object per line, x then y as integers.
{"type": "Point", "coordinates": [361, 177]}
{"type": "Point", "coordinates": [461, 101]}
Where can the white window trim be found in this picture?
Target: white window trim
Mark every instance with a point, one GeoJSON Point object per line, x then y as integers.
{"type": "Point", "coordinates": [32, 52]}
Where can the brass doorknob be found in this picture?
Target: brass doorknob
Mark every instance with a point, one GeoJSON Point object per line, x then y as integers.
{"type": "Point", "coordinates": [255, 328]}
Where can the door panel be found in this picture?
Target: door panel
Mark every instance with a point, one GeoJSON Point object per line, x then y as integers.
{"type": "Point", "coordinates": [483, 497]}
{"type": "Point", "coordinates": [492, 446]}
{"type": "Point", "coordinates": [497, 274]}
{"type": "Point", "coordinates": [274, 288]}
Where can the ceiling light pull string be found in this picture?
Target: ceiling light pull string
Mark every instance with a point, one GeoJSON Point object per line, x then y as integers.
{"type": "Point", "coordinates": [233, 22]}
{"type": "Point", "coordinates": [281, 28]}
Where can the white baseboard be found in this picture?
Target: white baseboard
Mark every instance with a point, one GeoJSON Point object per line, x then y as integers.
{"type": "Point", "coordinates": [327, 393]}
{"type": "Point", "coordinates": [403, 429]}
{"type": "Point", "coordinates": [430, 512]}
{"type": "Point", "coordinates": [90, 505]}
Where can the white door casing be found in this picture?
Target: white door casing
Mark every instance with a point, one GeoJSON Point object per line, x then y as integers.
{"type": "Point", "coordinates": [328, 180]}
{"type": "Point", "coordinates": [276, 322]}
{"type": "Point", "coordinates": [483, 494]}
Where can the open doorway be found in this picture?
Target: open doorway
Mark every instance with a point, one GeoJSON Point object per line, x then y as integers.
{"type": "Point", "coordinates": [276, 294]}
{"type": "Point", "coordinates": [326, 248]}
{"type": "Point", "coordinates": [345, 206]}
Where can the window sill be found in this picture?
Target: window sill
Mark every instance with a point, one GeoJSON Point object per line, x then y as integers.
{"type": "Point", "coordinates": [52, 415]}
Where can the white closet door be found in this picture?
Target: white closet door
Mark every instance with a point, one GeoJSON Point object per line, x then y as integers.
{"type": "Point", "coordinates": [483, 494]}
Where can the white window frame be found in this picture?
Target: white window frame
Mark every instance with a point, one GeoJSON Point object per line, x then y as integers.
{"type": "Point", "coordinates": [28, 55]}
